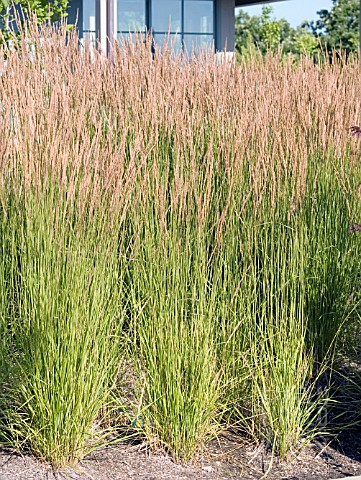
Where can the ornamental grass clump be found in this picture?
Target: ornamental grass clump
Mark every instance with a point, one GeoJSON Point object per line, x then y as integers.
{"type": "Point", "coordinates": [185, 217]}
{"type": "Point", "coordinates": [61, 220]}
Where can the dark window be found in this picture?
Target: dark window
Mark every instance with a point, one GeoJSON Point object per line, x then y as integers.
{"type": "Point", "coordinates": [192, 41]}
{"type": "Point", "coordinates": [89, 19]}
{"type": "Point", "coordinates": [166, 16]}
{"type": "Point", "coordinates": [198, 16]}
{"type": "Point", "coordinates": [131, 17]}
{"type": "Point", "coordinates": [175, 40]}
{"type": "Point", "coordinates": [182, 22]}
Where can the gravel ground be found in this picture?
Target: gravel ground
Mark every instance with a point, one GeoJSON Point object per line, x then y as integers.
{"type": "Point", "coordinates": [225, 459]}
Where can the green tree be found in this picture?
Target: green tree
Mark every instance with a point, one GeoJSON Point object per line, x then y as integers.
{"type": "Point", "coordinates": [13, 11]}
{"type": "Point", "coordinates": [265, 32]}
{"type": "Point", "coordinates": [262, 31]}
{"type": "Point", "coordinates": [338, 27]}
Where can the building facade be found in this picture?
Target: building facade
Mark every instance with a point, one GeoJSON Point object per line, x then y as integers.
{"type": "Point", "coordinates": [188, 23]}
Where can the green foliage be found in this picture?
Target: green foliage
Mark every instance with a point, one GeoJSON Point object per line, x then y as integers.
{"type": "Point", "coordinates": [14, 13]}
{"type": "Point", "coordinates": [265, 33]}
{"type": "Point", "coordinates": [303, 42]}
{"type": "Point", "coordinates": [175, 347]}
{"type": "Point", "coordinates": [335, 28]}
{"type": "Point", "coordinates": [65, 328]}
{"type": "Point", "coordinates": [339, 27]}
{"type": "Point", "coordinates": [271, 29]}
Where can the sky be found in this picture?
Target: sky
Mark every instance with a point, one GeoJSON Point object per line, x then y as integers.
{"type": "Point", "coordinates": [294, 11]}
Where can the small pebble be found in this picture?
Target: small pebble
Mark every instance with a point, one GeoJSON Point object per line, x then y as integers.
{"type": "Point", "coordinates": [207, 469]}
